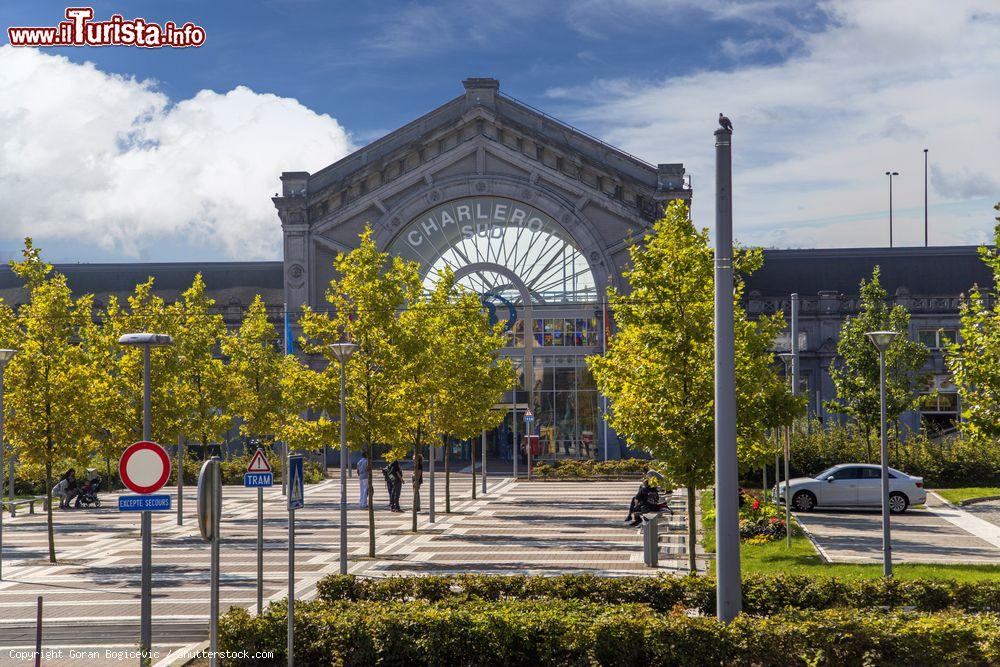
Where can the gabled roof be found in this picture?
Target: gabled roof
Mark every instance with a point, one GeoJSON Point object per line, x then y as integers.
{"type": "Point", "coordinates": [482, 97]}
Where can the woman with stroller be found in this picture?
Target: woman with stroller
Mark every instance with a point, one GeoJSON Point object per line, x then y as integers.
{"type": "Point", "coordinates": [66, 488]}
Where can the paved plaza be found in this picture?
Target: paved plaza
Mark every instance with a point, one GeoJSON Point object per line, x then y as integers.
{"type": "Point", "coordinates": [91, 597]}
{"type": "Point", "coordinates": [936, 534]}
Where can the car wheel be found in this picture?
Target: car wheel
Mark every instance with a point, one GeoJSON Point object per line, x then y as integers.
{"type": "Point", "coordinates": [898, 502]}
{"type": "Point", "coordinates": [803, 501]}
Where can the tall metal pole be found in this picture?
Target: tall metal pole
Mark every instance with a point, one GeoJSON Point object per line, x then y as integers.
{"type": "Point", "coordinates": [484, 460]}
{"type": "Point", "coordinates": [290, 647]}
{"type": "Point", "coordinates": [890, 174]}
{"type": "Point", "coordinates": [604, 397]}
{"type": "Point", "coordinates": [343, 467]}
{"type": "Point", "coordinates": [788, 432]}
{"type": "Point", "coordinates": [729, 600]}
{"type": "Point", "coordinates": [925, 197]}
{"type": "Point", "coordinates": [213, 610]}
{"type": "Point", "coordinates": [180, 479]}
{"type": "Point", "coordinates": [260, 550]}
{"type": "Point", "coordinates": [431, 517]}
{"type": "Point", "coordinates": [3, 364]}
{"type": "Point", "coordinates": [515, 446]}
{"type": "Point", "coordinates": [796, 372]}
{"type": "Point", "coordinates": [886, 538]}
{"type": "Point", "coordinates": [146, 599]}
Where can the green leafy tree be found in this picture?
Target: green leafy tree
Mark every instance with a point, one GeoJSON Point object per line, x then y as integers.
{"type": "Point", "coordinates": [471, 377]}
{"type": "Point", "coordinates": [856, 375]}
{"type": "Point", "coordinates": [255, 368]}
{"type": "Point", "coordinates": [974, 359]}
{"type": "Point", "coordinates": [47, 384]}
{"type": "Point", "coordinates": [368, 295]}
{"type": "Point", "coordinates": [203, 390]}
{"type": "Point", "coordinates": [658, 371]}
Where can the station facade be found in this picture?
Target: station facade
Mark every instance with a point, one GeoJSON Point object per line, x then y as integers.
{"type": "Point", "coordinates": [528, 212]}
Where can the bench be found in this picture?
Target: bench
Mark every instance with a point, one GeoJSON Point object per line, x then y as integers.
{"type": "Point", "coordinates": [12, 505]}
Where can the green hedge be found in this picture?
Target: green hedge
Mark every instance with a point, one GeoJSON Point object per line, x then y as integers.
{"type": "Point", "coordinates": [946, 462]}
{"type": "Point", "coordinates": [234, 467]}
{"type": "Point", "coordinates": [573, 632]}
{"type": "Point", "coordinates": [762, 594]}
{"type": "Point", "coordinates": [587, 469]}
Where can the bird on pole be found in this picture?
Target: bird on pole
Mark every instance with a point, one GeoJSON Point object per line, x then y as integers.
{"type": "Point", "coordinates": [725, 123]}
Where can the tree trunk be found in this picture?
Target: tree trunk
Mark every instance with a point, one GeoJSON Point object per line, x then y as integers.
{"type": "Point", "coordinates": [472, 457]}
{"type": "Point", "coordinates": [48, 514]}
{"type": "Point", "coordinates": [107, 466]}
{"type": "Point", "coordinates": [692, 532]}
{"type": "Point", "coordinates": [371, 505]}
{"type": "Point", "coordinates": [416, 489]}
{"type": "Point", "coordinates": [447, 478]}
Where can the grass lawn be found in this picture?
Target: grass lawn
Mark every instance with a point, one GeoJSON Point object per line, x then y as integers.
{"type": "Point", "coordinates": [956, 496]}
{"type": "Point", "coordinates": [802, 558]}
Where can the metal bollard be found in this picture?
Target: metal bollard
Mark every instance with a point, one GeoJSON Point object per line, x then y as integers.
{"type": "Point", "coordinates": [651, 541]}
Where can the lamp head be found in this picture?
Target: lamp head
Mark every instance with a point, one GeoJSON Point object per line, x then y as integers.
{"type": "Point", "coordinates": [882, 339]}
{"type": "Point", "coordinates": [787, 357]}
{"type": "Point", "coordinates": [5, 356]}
{"type": "Point", "coordinates": [152, 339]}
{"type": "Point", "coordinates": [343, 351]}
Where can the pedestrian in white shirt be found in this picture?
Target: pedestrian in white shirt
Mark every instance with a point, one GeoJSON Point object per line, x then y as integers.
{"type": "Point", "coordinates": [363, 479]}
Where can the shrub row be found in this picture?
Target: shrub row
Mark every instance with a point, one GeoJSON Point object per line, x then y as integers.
{"type": "Point", "coordinates": [587, 468]}
{"type": "Point", "coordinates": [945, 462]}
{"type": "Point", "coordinates": [561, 632]}
{"type": "Point", "coordinates": [762, 594]}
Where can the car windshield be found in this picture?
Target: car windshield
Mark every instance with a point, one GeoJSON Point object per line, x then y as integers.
{"type": "Point", "coordinates": [826, 473]}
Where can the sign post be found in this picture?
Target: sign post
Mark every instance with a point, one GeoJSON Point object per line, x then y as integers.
{"type": "Point", "coordinates": [529, 417]}
{"type": "Point", "coordinates": [296, 499]}
{"type": "Point", "coordinates": [209, 518]}
{"type": "Point", "coordinates": [144, 468]}
{"type": "Point", "coordinates": [259, 476]}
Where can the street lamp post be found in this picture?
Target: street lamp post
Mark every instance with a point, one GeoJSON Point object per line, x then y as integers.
{"type": "Point", "coordinates": [789, 359]}
{"type": "Point", "coordinates": [882, 340]}
{"type": "Point", "coordinates": [343, 352]}
{"type": "Point", "coordinates": [890, 174]}
{"type": "Point", "coordinates": [146, 341]}
{"type": "Point", "coordinates": [5, 356]}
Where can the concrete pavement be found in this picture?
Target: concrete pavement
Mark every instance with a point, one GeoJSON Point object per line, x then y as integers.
{"type": "Point", "coordinates": [91, 597]}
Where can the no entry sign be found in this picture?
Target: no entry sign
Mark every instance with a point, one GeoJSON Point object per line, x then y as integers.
{"type": "Point", "coordinates": [144, 467]}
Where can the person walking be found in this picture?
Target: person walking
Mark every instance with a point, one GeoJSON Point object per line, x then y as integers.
{"type": "Point", "coordinates": [396, 478]}
{"type": "Point", "coordinates": [418, 479]}
{"type": "Point", "coordinates": [363, 480]}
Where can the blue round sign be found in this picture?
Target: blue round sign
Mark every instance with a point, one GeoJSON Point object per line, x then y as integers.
{"type": "Point", "coordinates": [491, 301]}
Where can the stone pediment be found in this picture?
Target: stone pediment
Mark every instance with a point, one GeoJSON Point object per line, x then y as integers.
{"type": "Point", "coordinates": [504, 136]}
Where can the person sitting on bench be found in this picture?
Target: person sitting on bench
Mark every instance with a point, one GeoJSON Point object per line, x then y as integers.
{"type": "Point", "coordinates": [646, 499]}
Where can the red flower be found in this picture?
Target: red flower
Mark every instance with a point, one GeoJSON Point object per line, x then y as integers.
{"type": "Point", "coordinates": [756, 504]}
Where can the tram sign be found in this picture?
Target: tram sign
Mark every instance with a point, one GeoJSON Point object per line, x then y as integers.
{"type": "Point", "coordinates": [258, 473]}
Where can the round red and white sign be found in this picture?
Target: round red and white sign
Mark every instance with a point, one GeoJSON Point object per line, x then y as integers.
{"type": "Point", "coordinates": [144, 467]}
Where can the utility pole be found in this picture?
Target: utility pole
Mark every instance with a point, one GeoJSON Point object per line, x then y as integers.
{"type": "Point", "coordinates": [925, 197]}
{"type": "Point", "coordinates": [729, 595]}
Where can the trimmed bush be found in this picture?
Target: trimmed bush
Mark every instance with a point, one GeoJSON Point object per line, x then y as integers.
{"type": "Point", "coordinates": [590, 469]}
{"type": "Point", "coordinates": [573, 632]}
{"type": "Point", "coordinates": [762, 594]}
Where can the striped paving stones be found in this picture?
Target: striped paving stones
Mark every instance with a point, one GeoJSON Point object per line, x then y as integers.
{"type": "Point", "coordinates": [91, 596]}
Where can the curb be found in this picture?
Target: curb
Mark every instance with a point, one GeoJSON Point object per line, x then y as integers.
{"type": "Point", "coordinates": [820, 550]}
{"type": "Point", "coordinates": [963, 503]}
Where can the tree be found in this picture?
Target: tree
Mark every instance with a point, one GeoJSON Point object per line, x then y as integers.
{"type": "Point", "coordinates": [368, 295]}
{"type": "Point", "coordinates": [856, 375]}
{"type": "Point", "coordinates": [48, 381]}
{"type": "Point", "coordinates": [974, 359]}
{"type": "Point", "coordinates": [471, 377]}
{"type": "Point", "coordinates": [255, 369]}
{"type": "Point", "coordinates": [658, 370]}
{"type": "Point", "coordinates": [203, 389]}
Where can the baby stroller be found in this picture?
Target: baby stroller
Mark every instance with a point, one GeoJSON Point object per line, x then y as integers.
{"type": "Point", "coordinates": [88, 493]}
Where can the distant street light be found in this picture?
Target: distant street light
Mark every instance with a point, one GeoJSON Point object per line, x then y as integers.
{"type": "Point", "coordinates": [789, 359]}
{"type": "Point", "coordinates": [343, 352]}
{"type": "Point", "coordinates": [5, 356]}
{"type": "Point", "coordinates": [882, 340]}
{"type": "Point", "coordinates": [890, 174]}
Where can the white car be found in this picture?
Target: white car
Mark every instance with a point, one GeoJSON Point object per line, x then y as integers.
{"type": "Point", "coordinates": [852, 485]}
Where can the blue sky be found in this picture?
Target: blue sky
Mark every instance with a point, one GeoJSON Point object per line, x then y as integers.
{"type": "Point", "coordinates": [825, 97]}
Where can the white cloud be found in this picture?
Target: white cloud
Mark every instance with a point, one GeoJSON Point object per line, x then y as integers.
{"type": "Point", "coordinates": [815, 133]}
{"type": "Point", "coordinates": [110, 161]}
